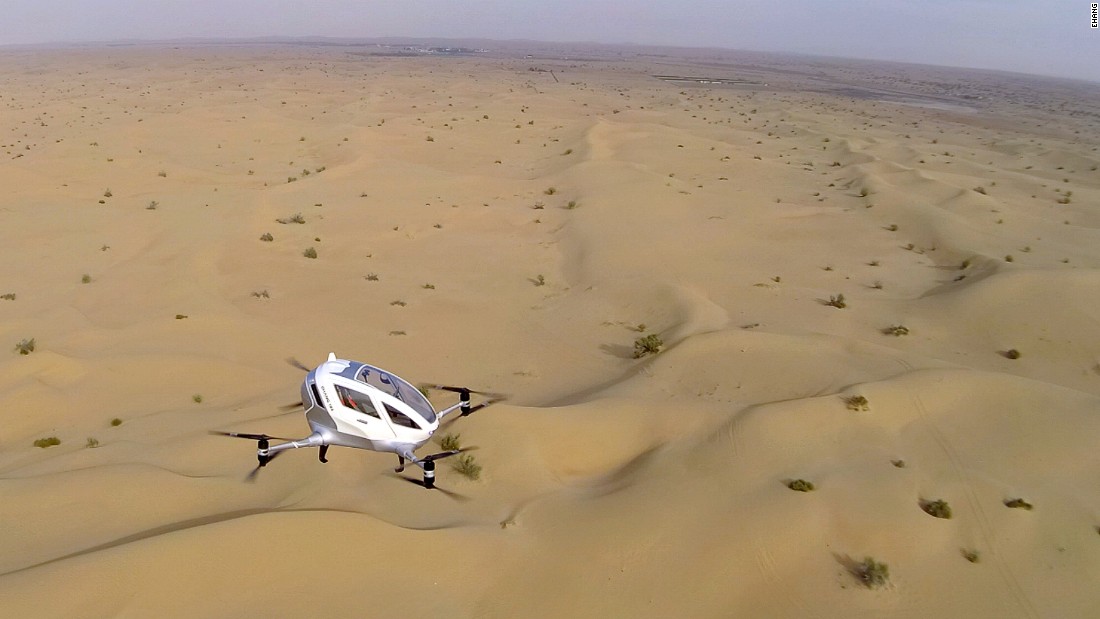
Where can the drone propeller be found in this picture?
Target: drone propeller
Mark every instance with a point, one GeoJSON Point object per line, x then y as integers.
{"type": "Point", "coordinates": [481, 405]}
{"type": "Point", "coordinates": [450, 493]}
{"type": "Point", "coordinates": [251, 437]}
{"type": "Point", "coordinates": [251, 477]}
{"type": "Point", "coordinates": [469, 410]}
{"type": "Point", "coordinates": [297, 364]}
{"type": "Point", "coordinates": [464, 390]}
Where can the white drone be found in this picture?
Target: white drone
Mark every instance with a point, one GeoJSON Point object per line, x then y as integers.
{"type": "Point", "coordinates": [352, 404]}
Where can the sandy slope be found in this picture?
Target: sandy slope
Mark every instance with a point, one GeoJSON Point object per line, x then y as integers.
{"type": "Point", "coordinates": [720, 218]}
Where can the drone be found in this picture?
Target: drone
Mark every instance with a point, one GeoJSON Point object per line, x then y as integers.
{"type": "Point", "coordinates": [353, 404]}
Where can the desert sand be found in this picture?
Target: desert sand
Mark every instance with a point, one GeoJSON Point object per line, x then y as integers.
{"type": "Point", "coordinates": [514, 220]}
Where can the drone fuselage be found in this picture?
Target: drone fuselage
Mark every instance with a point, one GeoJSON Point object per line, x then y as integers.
{"type": "Point", "coordinates": [352, 404]}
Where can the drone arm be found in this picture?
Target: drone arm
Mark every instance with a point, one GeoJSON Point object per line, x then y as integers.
{"type": "Point", "coordinates": [313, 440]}
{"type": "Point", "coordinates": [447, 411]}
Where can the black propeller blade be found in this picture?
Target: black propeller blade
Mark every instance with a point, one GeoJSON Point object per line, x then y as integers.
{"type": "Point", "coordinates": [251, 477]}
{"type": "Point", "coordinates": [450, 493]}
{"type": "Point", "coordinates": [251, 437]}
{"type": "Point", "coordinates": [446, 454]}
{"type": "Point", "coordinates": [459, 390]}
{"type": "Point", "coordinates": [481, 405]}
{"type": "Point", "coordinates": [297, 364]}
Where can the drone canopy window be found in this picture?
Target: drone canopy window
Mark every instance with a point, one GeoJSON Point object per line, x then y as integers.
{"type": "Point", "coordinates": [358, 401]}
{"type": "Point", "coordinates": [400, 418]}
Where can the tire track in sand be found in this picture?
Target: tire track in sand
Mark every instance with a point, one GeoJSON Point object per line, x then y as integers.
{"type": "Point", "coordinates": [984, 527]}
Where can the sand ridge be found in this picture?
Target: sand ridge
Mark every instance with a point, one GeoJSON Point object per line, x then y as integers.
{"type": "Point", "coordinates": [479, 220]}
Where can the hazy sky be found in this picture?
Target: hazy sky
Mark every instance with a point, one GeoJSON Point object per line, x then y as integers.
{"type": "Point", "coordinates": [1050, 37]}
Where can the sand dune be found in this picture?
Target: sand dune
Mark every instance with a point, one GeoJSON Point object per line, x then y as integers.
{"type": "Point", "coordinates": [482, 223]}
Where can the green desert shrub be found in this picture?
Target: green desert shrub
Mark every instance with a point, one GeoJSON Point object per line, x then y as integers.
{"type": "Point", "coordinates": [938, 508]}
{"type": "Point", "coordinates": [1018, 504]}
{"type": "Point", "coordinates": [896, 330]}
{"type": "Point", "coordinates": [857, 403]}
{"type": "Point", "coordinates": [450, 441]}
{"type": "Point", "coordinates": [25, 347]}
{"type": "Point", "coordinates": [48, 441]}
{"type": "Point", "coordinates": [310, 253]}
{"type": "Point", "coordinates": [872, 573]}
{"type": "Point", "coordinates": [296, 218]}
{"type": "Point", "coordinates": [800, 485]}
{"type": "Point", "coordinates": [266, 237]}
{"type": "Point", "coordinates": [92, 443]}
{"type": "Point", "coordinates": [467, 466]}
{"type": "Point", "coordinates": [116, 422]}
{"type": "Point", "coordinates": [648, 345]}
{"type": "Point", "coordinates": [837, 302]}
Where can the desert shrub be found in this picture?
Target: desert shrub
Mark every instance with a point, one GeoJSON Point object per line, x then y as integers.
{"type": "Point", "coordinates": [896, 330]}
{"type": "Point", "coordinates": [572, 204]}
{"type": "Point", "coordinates": [450, 441]}
{"type": "Point", "coordinates": [116, 422]}
{"type": "Point", "coordinates": [857, 403]}
{"type": "Point", "coordinates": [872, 573]}
{"type": "Point", "coordinates": [262, 294]}
{"type": "Point", "coordinates": [371, 277]}
{"type": "Point", "coordinates": [970, 555]}
{"type": "Point", "coordinates": [197, 398]}
{"type": "Point", "coordinates": [25, 347]}
{"type": "Point", "coordinates": [1018, 504]}
{"type": "Point", "coordinates": [648, 345]}
{"type": "Point", "coordinates": [398, 303]}
{"type": "Point", "coordinates": [107, 194]}
{"type": "Point", "coordinates": [85, 279]}
{"type": "Point", "coordinates": [266, 237]}
{"type": "Point", "coordinates": [550, 191]}
{"type": "Point", "coordinates": [8, 296]}
{"type": "Point", "coordinates": [92, 443]}
{"type": "Point", "coordinates": [467, 466]}
{"type": "Point", "coordinates": [980, 190]}
{"type": "Point", "coordinates": [539, 280]}
{"type": "Point", "coordinates": [294, 219]}
{"type": "Point", "coordinates": [48, 441]}
{"type": "Point", "coordinates": [1012, 353]}
{"type": "Point", "coordinates": [428, 286]}
{"type": "Point", "coordinates": [152, 206]}
{"type": "Point", "coordinates": [837, 302]}
{"type": "Point", "coordinates": [801, 485]}
{"type": "Point", "coordinates": [310, 253]}
{"type": "Point", "coordinates": [938, 508]}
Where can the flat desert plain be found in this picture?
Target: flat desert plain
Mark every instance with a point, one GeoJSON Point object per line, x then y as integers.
{"type": "Point", "coordinates": [881, 281]}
